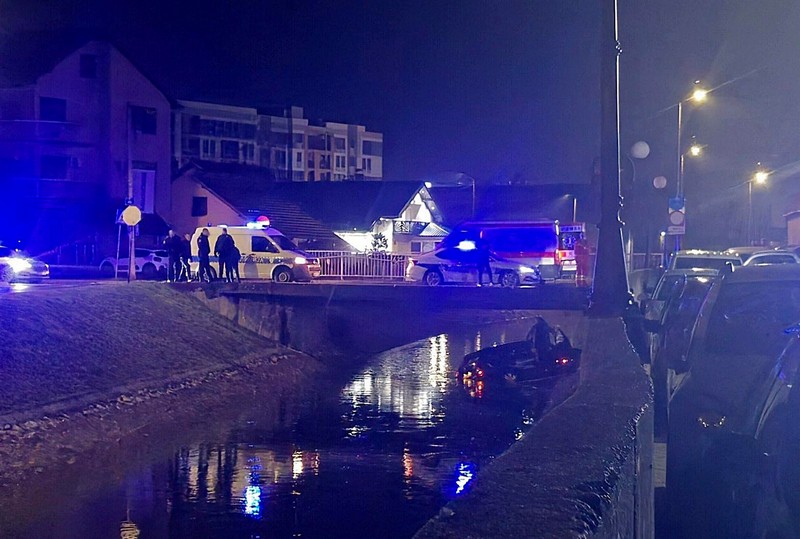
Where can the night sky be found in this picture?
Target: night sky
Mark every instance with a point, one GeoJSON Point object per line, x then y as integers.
{"type": "Point", "coordinates": [504, 90]}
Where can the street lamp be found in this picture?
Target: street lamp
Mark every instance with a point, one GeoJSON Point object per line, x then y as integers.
{"type": "Point", "coordinates": [759, 178]}
{"type": "Point", "coordinates": [698, 96]}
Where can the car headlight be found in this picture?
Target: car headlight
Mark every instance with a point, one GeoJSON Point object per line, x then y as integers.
{"type": "Point", "coordinates": [19, 264]}
{"type": "Point", "coordinates": [526, 269]}
{"type": "Point", "coordinates": [300, 260]}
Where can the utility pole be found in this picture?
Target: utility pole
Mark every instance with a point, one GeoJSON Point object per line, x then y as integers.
{"type": "Point", "coordinates": [610, 284]}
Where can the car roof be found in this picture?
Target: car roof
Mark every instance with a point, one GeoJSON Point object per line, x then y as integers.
{"type": "Point", "coordinates": [704, 254]}
{"type": "Point", "coordinates": [773, 272]}
{"type": "Point", "coordinates": [775, 252]}
{"type": "Point", "coordinates": [702, 272]}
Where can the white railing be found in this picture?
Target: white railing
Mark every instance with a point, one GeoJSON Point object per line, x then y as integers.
{"type": "Point", "coordinates": [347, 265]}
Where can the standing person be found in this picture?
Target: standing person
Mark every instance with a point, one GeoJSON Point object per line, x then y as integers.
{"type": "Point", "coordinates": [222, 250]}
{"type": "Point", "coordinates": [186, 258]}
{"type": "Point", "coordinates": [484, 265]}
{"type": "Point", "coordinates": [204, 255]}
{"type": "Point", "coordinates": [233, 263]}
{"type": "Point", "coordinates": [172, 244]}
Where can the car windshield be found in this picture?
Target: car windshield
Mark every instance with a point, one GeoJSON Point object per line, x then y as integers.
{"type": "Point", "coordinates": [750, 318]}
{"type": "Point", "coordinates": [688, 262]}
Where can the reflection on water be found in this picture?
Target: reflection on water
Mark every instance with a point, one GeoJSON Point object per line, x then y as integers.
{"type": "Point", "coordinates": [375, 460]}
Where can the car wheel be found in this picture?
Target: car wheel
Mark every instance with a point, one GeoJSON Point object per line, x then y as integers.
{"type": "Point", "coordinates": [509, 279]}
{"type": "Point", "coordinates": [149, 272]}
{"type": "Point", "coordinates": [282, 275]}
{"type": "Point", "coordinates": [107, 269]}
{"type": "Point", "coordinates": [432, 278]}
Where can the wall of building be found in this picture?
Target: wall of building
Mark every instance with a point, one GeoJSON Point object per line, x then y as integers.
{"type": "Point", "coordinates": [184, 189]}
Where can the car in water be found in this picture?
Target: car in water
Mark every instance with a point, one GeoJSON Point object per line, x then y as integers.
{"type": "Point", "coordinates": [741, 329]}
{"type": "Point", "coordinates": [763, 258]}
{"type": "Point", "coordinates": [459, 265]}
{"type": "Point", "coordinates": [17, 266]}
{"type": "Point", "coordinates": [150, 263]}
{"type": "Point", "coordinates": [701, 259]}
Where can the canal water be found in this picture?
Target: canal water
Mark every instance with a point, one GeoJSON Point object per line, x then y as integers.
{"type": "Point", "coordinates": [374, 458]}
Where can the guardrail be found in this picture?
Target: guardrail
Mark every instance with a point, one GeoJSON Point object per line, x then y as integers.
{"type": "Point", "coordinates": [347, 265]}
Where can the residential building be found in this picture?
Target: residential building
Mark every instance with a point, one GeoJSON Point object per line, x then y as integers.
{"type": "Point", "coordinates": [78, 123]}
{"type": "Point", "coordinates": [288, 145]}
{"type": "Point", "coordinates": [317, 215]}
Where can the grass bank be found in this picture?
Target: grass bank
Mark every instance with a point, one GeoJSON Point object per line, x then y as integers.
{"type": "Point", "coordinates": [65, 347]}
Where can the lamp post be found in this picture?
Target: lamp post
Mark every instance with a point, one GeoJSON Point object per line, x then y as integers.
{"type": "Point", "coordinates": [759, 178]}
{"type": "Point", "coordinates": [699, 95]}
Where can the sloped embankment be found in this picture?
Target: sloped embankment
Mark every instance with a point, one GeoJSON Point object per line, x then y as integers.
{"type": "Point", "coordinates": [63, 348]}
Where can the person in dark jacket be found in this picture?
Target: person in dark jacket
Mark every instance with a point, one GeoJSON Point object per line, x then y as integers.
{"type": "Point", "coordinates": [186, 258]}
{"type": "Point", "coordinates": [233, 263]}
{"type": "Point", "coordinates": [172, 244]}
{"type": "Point", "coordinates": [222, 250]}
{"type": "Point", "coordinates": [484, 263]}
{"type": "Point", "coordinates": [203, 256]}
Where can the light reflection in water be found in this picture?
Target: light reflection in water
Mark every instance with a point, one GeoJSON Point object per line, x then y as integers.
{"type": "Point", "coordinates": [465, 472]}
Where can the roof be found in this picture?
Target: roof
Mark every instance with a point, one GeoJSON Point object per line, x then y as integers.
{"type": "Point", "coordinates": [330, 205]}
{"type": "Point", "coordinates": [510, 202]}
{"type": "Point", "coordinates": [773, 272]}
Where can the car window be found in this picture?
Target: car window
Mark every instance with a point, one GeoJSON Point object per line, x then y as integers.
{"type": "Point", "coordinates": [284, 243]}
{"type": "Point", "coordinates": [260, 244]}
{"type": "Point", "coordinates": [773, 259]}
{"type": "Point", "coordinates": [686, 262]}
{"type": "Point", "coordinates": [668, 283]}
{"type": "Point", "coordinates": [750, 318]}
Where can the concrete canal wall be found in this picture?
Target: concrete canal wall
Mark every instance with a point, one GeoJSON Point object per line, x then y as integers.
{"type": "Point", "coordinates": [585, 470]}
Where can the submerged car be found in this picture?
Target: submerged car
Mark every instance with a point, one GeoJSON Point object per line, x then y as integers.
{"type": "Point", "coordinates": [16, 266]}
{"type": "Point", "coordinates": [459, 265]}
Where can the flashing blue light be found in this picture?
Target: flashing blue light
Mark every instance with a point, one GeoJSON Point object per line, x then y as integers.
{"type": "Point", "coordinates": [466, 245]}
{"type": "Point", "coordinates": [465, 472]}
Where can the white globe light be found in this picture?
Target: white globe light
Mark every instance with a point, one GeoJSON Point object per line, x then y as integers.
{"type": "Point", "coordinates": [659, 182]}
{"type": "Point", "coordinates": [640, 150]}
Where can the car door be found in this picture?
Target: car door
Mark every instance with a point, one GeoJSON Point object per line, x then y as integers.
{"type": "Point", "coordinates": [458, 266]}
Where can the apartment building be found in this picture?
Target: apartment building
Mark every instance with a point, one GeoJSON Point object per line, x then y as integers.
{"type": "Point", "coordinates": [290, 146]}
{"type": "Point", "coordinates": [77, 123]}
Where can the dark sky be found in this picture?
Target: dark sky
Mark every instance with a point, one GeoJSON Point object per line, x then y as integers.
{"type": "Point", "coordinates": [498, 90]}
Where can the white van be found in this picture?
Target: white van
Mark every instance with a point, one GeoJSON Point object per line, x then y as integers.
{"type": "Point", "coordinates": [266, 254]}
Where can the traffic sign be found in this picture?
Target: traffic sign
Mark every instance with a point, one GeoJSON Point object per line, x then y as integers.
{"type": "Point", "coordinates": [677, 216]}
{"type": "Point", "coordinates": [131, 215]}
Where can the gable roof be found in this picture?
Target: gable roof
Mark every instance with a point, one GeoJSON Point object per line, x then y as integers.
{"type": "Point", "coordinates": [334, 205]}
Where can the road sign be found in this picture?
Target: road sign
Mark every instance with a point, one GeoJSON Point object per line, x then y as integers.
{"type": "Point", "coordinates": [677, 216]}
{"type": "Point", "coordinates": [131, 215]}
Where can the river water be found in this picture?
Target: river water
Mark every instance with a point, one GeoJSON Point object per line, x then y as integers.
{"type": "Point", "coordinates": [374, 458]}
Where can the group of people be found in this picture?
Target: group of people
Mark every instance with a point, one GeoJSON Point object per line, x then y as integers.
{"type": "Point", "coordinates": [180, 255]}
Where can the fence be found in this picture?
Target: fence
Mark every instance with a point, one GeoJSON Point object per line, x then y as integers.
{"type": "Point", "coordinates": [347, 265]}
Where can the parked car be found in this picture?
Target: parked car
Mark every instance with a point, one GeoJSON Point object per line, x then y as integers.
{"type": "Point", "coordinates": [697, 258]}
{"type": "Point", "coordinates": [739, 333]}
{"type": "Point", "coordinates": [653, 307]}
{"type": "Point", "coordinates": [745, 252]}
{"type": "Point", "coordinates": [459, 264]}
{"type": "Point", "coordinates": [151, 263]}
{"type": "Point", "coordinates": [763, 258]}
{"type": "Point", "coordinates": [16, 266]}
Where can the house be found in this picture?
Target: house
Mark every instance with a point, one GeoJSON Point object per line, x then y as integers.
{"type": "Point", "coordinates": [80, 127]}
{"type": "Point", "coordinates": [319, 215]}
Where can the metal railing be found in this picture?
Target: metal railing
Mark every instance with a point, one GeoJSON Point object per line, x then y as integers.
{"type": "Point", "coordinates": [347, 265]}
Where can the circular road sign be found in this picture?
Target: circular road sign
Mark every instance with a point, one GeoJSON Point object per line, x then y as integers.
{"type": "Point", "coordinates": [659, 182]}
{"type": "Point", "coordinates": [131, 215]}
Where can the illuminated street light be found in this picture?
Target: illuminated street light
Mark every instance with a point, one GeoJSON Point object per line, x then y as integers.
{"type": "Point", "coordinates": [699, 95]}
{"type": "Point", "coordinates": [695, 150]}
{"type": "Point", "coordinates": [760, 177]}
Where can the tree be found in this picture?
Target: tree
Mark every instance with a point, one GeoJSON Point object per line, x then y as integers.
{"type": "Point", "coordinates": [379, 243]}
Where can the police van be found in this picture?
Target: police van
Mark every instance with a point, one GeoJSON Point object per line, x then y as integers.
{"type": "Point", "coordinates": [265, 253]}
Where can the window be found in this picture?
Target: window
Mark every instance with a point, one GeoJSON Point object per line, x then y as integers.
{"type": "Point", "coordinates": [372, 147]}
{"type": "Point", "coordinates": [88, 68]}
{"type": "Point", "coordinates": [209, 148]}
{"type": "Point", "coordinates": [190, 146]}
{"type": "Point", "coordinates": [230, 149]}
{"type": "Point", "coordinates": [52, 109]}
{"type": "Point", "coordinates": [143, 120]}
{"type": "Point", "coordinates": [339, 143]}
{"type": "Point", "coordinates": [144, 185]}
{"type": "Point", "coordinates": [199, 206]}
{"type": "Point", "coordinates": [366, 164]}
{"type": "Point", "coordinates": [54, 166]}
{"type": "Point", "coordinates": [297, 138]}
{"type": "Point", "coordinates": [280, 158]}
{"type": "Point", "coordinates": [261, 244]}
{"type": "Point", "coordinates": [299, 158]}
{"type": "Point", "coordinates": [416, 247]}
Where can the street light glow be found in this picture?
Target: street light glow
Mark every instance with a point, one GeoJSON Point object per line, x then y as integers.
{"type": "Point", "coordinates": [695, 150]}
{"type": "Point", "coordinates": [699, 95]}
{"type": "Point", "coordinates": [761, 177]}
